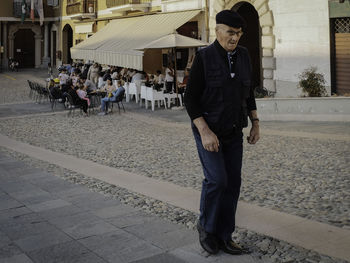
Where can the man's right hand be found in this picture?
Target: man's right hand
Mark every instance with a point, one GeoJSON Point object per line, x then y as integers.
{"type": "Point", "coordinates": [210, 141]}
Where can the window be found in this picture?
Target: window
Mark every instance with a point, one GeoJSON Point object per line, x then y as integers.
{"type": "Point", "coordinates": [342, 25]}
{"type": "Point", "coordinates": [52, 2]}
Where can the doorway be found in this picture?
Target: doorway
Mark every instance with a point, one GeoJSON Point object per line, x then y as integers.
{"type": "Point", "coordinates": [67, 40]}
{"type": "Point", "coordinates": [340, 55]}
{"type": "Point", "coordinates": [24, 48]}
{"type": "Point", "coordinates": [251, 39]}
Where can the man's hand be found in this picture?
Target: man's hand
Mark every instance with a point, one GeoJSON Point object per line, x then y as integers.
{"type": "Point", "coordinates": [210, 141]}
{"type": "Point", "coordinates": [254, 135]}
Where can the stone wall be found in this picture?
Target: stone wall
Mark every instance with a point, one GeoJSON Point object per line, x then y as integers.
{"type": "Point", "coordinates": [267, 38]}
{"type": "Point", "coordinates": [304, 109]}
{"type": "Point", "coordinates": [302, 40]}
{"type": "Point", "coordinates": [294, 36]}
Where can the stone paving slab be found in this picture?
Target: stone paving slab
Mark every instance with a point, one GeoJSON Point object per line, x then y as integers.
{"type": "Point", "coordinates": [77, 225]}
{"type": "Point", "coordinates": [189, 199]}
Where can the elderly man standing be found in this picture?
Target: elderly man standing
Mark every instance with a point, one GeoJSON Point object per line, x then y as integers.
{"type": "Point", "coordinates": [219, 98]}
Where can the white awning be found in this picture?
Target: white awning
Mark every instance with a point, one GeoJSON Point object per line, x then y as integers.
{"type": "Point", "coordinates": [115, 44]}
{"type": "Point", "coordinates": [82, 29]}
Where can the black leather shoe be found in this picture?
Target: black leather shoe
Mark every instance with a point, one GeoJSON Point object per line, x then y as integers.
{"type": "Point", "coordinates": [208, 241]}
{"type": "Point", "coordinates": [232, 248]}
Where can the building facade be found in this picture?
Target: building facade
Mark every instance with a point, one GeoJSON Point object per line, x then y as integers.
{"type": "Point", "coordinates": [284, 37]}
{"type": "Point", "coordinates": [28, 42]}
{"type": "Point", "coordinates": [83, 18]}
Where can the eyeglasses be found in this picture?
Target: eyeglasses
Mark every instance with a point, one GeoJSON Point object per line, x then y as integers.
{"type": "Point", "coordinates": [233, 33]}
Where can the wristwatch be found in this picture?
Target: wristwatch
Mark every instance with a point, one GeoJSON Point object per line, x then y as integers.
{"type": "Point", "coordinates": [254, 119]}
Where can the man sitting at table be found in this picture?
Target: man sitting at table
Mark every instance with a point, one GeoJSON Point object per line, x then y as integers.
{"type": "Point", "coordinates": [158, 80]}
{"type": "Point", "coordinates": [88, 84]}
{"type": "Point", "coordinates": [112, 94]}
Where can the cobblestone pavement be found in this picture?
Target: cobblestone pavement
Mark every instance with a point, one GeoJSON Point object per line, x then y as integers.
{"type": "Point", "coordinates": [303, 175]}
{"type": "Point", "coordinates": [14, 87]}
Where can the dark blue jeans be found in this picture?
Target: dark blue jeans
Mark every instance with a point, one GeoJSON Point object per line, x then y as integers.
{"type": "Point", "coordinates": [221, 185]}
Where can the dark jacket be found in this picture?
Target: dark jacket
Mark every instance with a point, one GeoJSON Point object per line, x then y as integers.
{"type": "Point", "coordinates": [223, 101]}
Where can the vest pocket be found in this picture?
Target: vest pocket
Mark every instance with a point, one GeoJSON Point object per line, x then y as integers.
{"type": "Point", "coordinates": [212, 118]}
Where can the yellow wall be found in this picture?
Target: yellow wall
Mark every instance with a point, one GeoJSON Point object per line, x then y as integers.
{"type": "Point", "coordinates": [6, 8]}
{"type": "Point", "coordinates": [99, 24]}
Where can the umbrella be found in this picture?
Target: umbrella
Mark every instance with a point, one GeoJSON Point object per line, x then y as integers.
{"type": "Point", "coordinates": [173, 41]}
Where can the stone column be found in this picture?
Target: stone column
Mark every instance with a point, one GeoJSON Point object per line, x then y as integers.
{"type": "Point", "coordinates": [268, 45]}
{"type": "Point", "coordinates": [37, 50]}
{"type": "Point", "coordinates": [11, 46]}
{"type": "Point", "coordinates": [4, 41]}
{"type": "Point", "coordinates": [46, 58]}
{"type": "Point", "coordinates": [0, 46]}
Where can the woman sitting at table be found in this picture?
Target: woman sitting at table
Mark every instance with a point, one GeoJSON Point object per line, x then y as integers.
{"type": "Point", "coordinates": [182, 86]}
{"type": "Point", "coordinates": [112, 94]}
{"type": "Point", "coordinates": [109, 88]}
{"type": "Point", "coordinates": [83, 95]}
{"type": "Point", "coordinates": [76, 99]}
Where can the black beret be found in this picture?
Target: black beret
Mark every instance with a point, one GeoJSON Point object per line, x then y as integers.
{"type": "Point", "coordinates": [230, 18]}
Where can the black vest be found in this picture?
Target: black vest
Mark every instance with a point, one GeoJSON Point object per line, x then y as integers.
{"type": "Point", "coordinates": [224, 98]}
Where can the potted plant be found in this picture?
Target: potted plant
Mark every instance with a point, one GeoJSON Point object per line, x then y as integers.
{"type": "Point", "coordinates": [312, 83]}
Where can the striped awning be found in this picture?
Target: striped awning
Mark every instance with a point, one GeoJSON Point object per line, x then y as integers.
{"type": "Point", "coordinates": [116, 43]}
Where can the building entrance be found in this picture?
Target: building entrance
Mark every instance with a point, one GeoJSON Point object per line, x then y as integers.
{"type": "Point", "coordinates": [67, 38]}
{"type": "Point", "coordinates": [341, 56]}
{"type": "Point", "coordinates": [251, 39]}
{"type": "Point", "coordinates": [24, 48]}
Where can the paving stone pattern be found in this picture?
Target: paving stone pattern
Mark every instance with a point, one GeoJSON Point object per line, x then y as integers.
{"type": "Point", "coordinates": [263, 248]}
{"type": "Point", "coordinates": [47, 219]}
{"type": "Point", "coordinates": [303, 176]}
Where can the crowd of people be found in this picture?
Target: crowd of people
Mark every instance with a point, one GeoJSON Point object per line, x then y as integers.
{"type": "Point", "coordinates": [79, 82]}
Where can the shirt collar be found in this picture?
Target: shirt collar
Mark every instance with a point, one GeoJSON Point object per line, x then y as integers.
{"type": "Point", "coordinates": [221, 50]}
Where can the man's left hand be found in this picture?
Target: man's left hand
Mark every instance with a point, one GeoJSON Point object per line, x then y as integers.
{"type": "Point", "coordinates": [254, 135]}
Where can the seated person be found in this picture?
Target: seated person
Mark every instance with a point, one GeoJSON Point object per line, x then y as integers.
{"type": "Point", "coordinates": [115, 75]}
{"type": "Point", "coordinates": [109, 87]}
{"type": "Point", "coordinates": [106, 75]}
{"type": "Point", "coordinates": [182, 86]}
{"type": "Point", "coordinates": [158, 80]}
{"type": "Point", "coordinates": [63, 76]}
{"type": "Point", "coordinates": [74, 77]}
{"type": "Point", "coordinates": [114, 95]}
{"type": "Point", "coordinates": [83, 94]}
{"type": "Point", "coordinates": [138, 76]}
{"type": "Point", "coordinates": [88, 84]}
{"type": "Point", "coordinates": [76, 99]}
{"type": "Point", "coordinates": [55, 90]}
{"type": "Point", "coordinates": [150, 82]}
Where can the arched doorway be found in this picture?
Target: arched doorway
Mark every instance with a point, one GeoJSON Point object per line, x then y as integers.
{"type": "Point", "coordinates": [24, 48]}
{"type": "Point", "coordinates": [67, 43]}
{"type": "Point", "coordinates": [251, 39]}
{"type": "Point", "coordinates": [266, 39]}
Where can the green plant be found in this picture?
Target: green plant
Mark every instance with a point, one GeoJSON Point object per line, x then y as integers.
{"type": "Point", "coordinates": [312, 83]}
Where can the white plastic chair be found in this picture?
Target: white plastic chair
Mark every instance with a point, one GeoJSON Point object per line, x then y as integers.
{"type": "Point", "coordinates": [153, 96]}
{"type": "Point", "coordinates": [126, 87]}
{"type": "Point", "coordinates": [134, 90]}
{"type": "Point", "coordinates": [143, 94]}
{"type": "Point", "coordinates": [172, 96]}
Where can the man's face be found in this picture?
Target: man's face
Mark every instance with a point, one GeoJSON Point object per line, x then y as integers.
{"type": "Point", "coordinates": [228, 37]}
